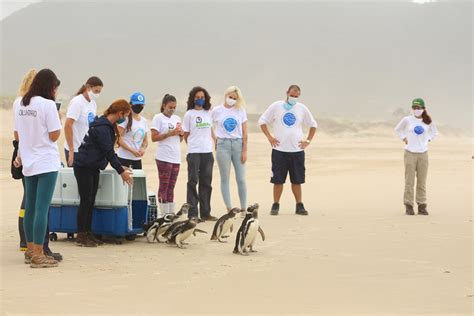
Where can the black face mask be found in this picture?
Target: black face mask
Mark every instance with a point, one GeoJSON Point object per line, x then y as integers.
{"type": "Point", "coordinates": [137, 108]}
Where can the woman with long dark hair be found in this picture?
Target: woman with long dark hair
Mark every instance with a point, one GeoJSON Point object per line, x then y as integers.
{"type": "Point", "coordinates": [166, 130]}
{"type": "Point", "coordinates": [37, 128]}
{"type": "Point", "coordinates": [81, 112]}
{"type": "Point", "coordinates": [95, 153]}
{"type": "Point", "coordinates": [198, 134]}
{"type": "Point", "coordinates": [416, 131]}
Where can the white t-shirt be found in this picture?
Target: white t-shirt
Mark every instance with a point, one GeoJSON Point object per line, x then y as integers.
{"type": "Point", "coordinates": [34, 123]}
{"type": "Point", "coordinates": [228, 121]}
{"type": "Point", "coordinates": [169, 148]}
{"type": "Point", "coordinates": [83, 113]}
{"type": "Point", "coordinates": [134, 138]}
{"type": "Point", "coordinates": [288, 125]}
{"type": "Point", "coordinates": [199, 126]}
{"type": "Point", "coordinates": [417, 133]}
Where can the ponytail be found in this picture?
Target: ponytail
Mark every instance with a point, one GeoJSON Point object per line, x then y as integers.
{"type": "Point", "coordinates": [426, 118]}
{"type": "Point", "coordinates": [90, 83]}
{"type": "Point", "coordinates": [129, 123]}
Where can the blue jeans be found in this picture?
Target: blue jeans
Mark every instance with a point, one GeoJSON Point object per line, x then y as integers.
{"type": "Point", "coordinates": [230, 151]}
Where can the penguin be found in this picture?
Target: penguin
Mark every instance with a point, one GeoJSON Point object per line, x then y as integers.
{"type": "Point", "coordinates": [180, 217]}
{"type": "Point", "coordinates": [247, 233]}
{"type": "Point", "coordinates": [152, 228]}
{"type": "Point", "coordinates": [224, 224]}
{"type": "Point", "coordinates": [178, 232]}
{"type": "Point", "coordinates": [157, 227]}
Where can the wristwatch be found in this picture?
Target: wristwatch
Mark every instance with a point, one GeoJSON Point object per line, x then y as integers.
{"type": "Point", "coordinates": [307, 141]}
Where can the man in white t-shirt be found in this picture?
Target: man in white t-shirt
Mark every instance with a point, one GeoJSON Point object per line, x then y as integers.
{"type": "Point", "coordinates": [287, 118]}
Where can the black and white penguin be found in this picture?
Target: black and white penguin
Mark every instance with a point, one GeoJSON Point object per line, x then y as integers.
{"type": "Point", "coordinates": [178, 232]}
{"type": "Point", "coordinates": [160, 225]}
{"type": "Point", "coordinates": [247, 232]}
{"type": "Point", "coordinates": [153, 227]}
{"type": "Point", "coordinates": [224, 224]}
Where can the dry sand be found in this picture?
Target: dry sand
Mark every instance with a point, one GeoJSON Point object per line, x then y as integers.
{"type": "Point", "coordinates": [356, 253]}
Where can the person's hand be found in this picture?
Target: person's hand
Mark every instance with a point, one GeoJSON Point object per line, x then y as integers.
{"type": "Point", "coordinates": [273, 141]}
{"type": "Point", "coordinates": [70, 161]}
{"type": "Point", "coordinates": [243, 157]}
{"type": "Point", "coordinates": [303, 144]}
{"type": "Point", "coordinates": [136, 153]}
{"type": "Point", "coordinates": [405, 140]}
{"type": "Point", "coordinates": [17, 162]}
{"type": "Point", "coordinates": [141, 152]}
{"type": "Point", "coordinates": [127, 175]}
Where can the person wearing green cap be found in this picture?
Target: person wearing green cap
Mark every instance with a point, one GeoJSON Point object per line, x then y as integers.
{"type": "Point", "coordinates": [416, 131]}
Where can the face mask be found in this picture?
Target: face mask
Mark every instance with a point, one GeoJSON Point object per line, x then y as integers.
{"type": "Point", "coordinates": [418, 113]}
{"type": "Point", "coordinates": [199, 102]}
{"type": "Point", "coordinates": [230, 101]}
{"type": "Point", "coordinates": [137, 108]}
{"type": "Point", "coordinates": [93, 95]}
{"type": "Point", "coordinates": [292, 100]}
{"type": "Point", "coordinates": [169, 112]}
{"type": "Point", "coordinates": [121, 120]}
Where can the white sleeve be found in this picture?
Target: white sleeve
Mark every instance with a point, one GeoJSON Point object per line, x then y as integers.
{"type": "Point", "coordinates": [433, 131]}
{"type": "Point", "coordinates": [155, 124]}
{"type": "Point", "coordinates": [53, 123]}
{"type": "Point", "coordinates": [308, 118]}
{"type": "Point", "coordinates": [15, 119]}
{"type": "Point", "coordinates": [244, 116]}
{"type": "Point", "coordinates": [187, 122]}
{"type": "Point", "coordinates": [267, 116]}
{"type": "Point", "coordinates": [123, 124]}
{"type": "Point", "coordinates": [400, 129]}
{"type": "Point", "coordinates": [74, 110]}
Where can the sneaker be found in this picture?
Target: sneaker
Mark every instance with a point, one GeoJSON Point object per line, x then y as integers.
{"type": "Point", "coordinates": [300, 210]}
{"type": "Point", "coordinates": [43, 262]}
{"type": "Point", "coordinates": [275, 209]}
{"type": "Point", "coordinates": [209, 218]}
{"type": "Point", "coordinates": [55, 255]}
{"type": "Point", "coordinates": [92, 237]}
{"type": "Point", "coordinates": [409, 209]}
{"type": "Point", "coordinates": [83, 241]}
{"type": "Point", "coordinates": [422, 209]}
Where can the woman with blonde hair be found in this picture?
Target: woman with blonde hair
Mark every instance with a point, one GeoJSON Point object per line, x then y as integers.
{"type": "Point", "coordinates": [96, 151]}
{"type": "Point", "coordinates": [230, 123]}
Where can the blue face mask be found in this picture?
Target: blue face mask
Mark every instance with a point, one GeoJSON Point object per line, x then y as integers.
{"type": "Point", "coordinates": [121, 120]}
{"type": "Point", "coordinates": [200, 102]}
{"type": "Point", "coordinates": [287, 106]}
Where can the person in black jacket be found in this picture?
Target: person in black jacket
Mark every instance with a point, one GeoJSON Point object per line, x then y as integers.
{"type": "Point", "coordinates": [95, 152]}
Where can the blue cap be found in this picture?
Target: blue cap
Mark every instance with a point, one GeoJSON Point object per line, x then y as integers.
{"type": "Point", "coordinates": [137, 98]}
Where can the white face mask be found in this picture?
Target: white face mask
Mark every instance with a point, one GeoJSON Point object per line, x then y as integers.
{"type": "Point", "coordinates": [230, 101]}
{"type": "Point", "coordinates": [418, 113]}
{"type": "Point", "coordinates": [93, 95]}
{"type": "Point", "coordinates": [292, 100]}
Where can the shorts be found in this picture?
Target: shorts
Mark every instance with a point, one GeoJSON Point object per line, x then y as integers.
{"type": "Point", "coordinates": [288, 162]}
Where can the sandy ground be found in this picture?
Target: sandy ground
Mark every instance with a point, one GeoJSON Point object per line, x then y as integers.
{"type": "Point", "coordinates": [355, 254]}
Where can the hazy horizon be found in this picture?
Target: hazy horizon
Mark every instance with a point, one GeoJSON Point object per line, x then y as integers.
{"type": "Point", "coordinates": [358, 61]}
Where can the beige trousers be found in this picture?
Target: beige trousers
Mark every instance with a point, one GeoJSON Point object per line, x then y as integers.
{"type": "Point", "coordinates": [416, 165]}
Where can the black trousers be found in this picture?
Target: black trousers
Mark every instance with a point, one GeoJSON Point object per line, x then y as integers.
{"type": "Point", "coordinates": [134, 164]}
{"type": "Point", "coordinates": [199, 173]}
{"type": "Point", "coordinates": [87, 184]}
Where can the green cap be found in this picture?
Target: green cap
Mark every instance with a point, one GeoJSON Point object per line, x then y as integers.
{"type": "Point", "coordinates": [419, 102]}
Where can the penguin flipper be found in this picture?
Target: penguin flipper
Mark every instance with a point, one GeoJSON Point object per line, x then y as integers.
{"type": "Point", "coordinates": [197, 230]}
{"type": "Point", "coordinates": [231, 227]}
{"type": "Point", "coordinates": [260, 230]}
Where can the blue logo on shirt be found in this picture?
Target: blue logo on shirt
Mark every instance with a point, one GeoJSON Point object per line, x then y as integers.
{"type": "Point", "coordinates": [230, 124]}
{"type": "Point", "coordinates": [90, 117]}
{"type": "Point", "coordinates": [419, 130]}
{"type": "Point", "coordinates": [289, 119]}
{"type": "Point", "coordinates": [138, 136]}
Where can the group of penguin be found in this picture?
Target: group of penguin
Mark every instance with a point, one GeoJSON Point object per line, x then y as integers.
{"type": "Point", "coordinates": [176, 228]}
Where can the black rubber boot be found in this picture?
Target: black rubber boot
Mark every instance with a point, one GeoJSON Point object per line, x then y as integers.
{"type": "Point", "coordinates": [422, 209]}
{"type": "Point", "coordinates": [409, 209]}
{"type": "Point", "coordinates": [275, 209]}
{"type": "Point", "coordinates": [55, 255]}
{"type": "Point", "coordinates": [300, 210]}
